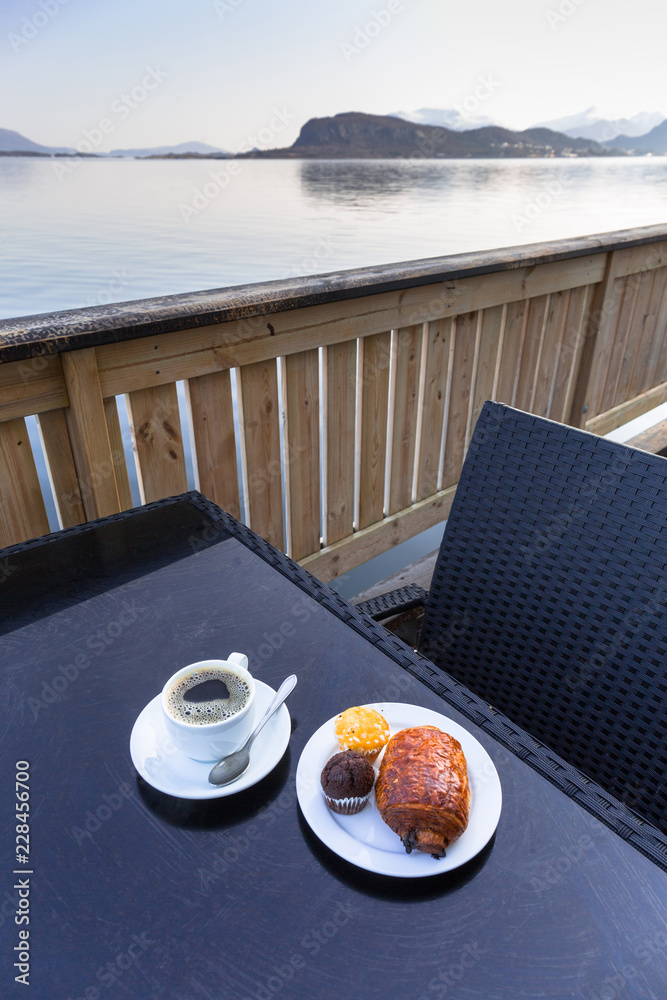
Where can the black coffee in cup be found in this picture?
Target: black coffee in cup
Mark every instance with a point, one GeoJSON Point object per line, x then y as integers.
{"type": "Point", "coordinates": [206, 695]}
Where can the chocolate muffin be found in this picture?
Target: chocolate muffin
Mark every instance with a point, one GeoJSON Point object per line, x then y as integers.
{"type": "Point", "coordinates": [347, 779]}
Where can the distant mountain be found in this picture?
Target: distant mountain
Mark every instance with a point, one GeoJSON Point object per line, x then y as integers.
{"type": "Point", "coordinates": [356, 135]}
{"type": "Point", "coordinates": [200, 148]}
{"type": "Point", "coordinates": [444, 118]}
{"type": "Point", "coordinates": [14, 142]}
{"type": "Point", "coordinates": [654, 141]}
{"type": "Point", "coordinates": [591, 124]}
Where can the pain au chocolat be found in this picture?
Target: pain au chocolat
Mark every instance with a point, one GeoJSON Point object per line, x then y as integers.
{"type": "Point", "coordinates": [422, 790]}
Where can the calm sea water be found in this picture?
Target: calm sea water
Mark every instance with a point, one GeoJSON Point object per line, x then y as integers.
{"type": "Point", "coordinates": [79, 233]}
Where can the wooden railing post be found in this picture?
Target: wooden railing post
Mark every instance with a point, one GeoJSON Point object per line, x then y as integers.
{"type": "Point", "coordinates": [89, 436]}
{"type": "Point", "coordinates": [623, 331]}
{"type": "Point", "coordinates": [22, 511]}
{"type": "Point", "coordinates": [157, 439]}
{"type": "Point", "coordinates": [62, 470]}
{"type": "Point", "coordinates": [599, 308]}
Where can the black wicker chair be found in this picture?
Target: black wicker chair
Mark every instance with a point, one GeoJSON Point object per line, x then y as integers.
{"type": "Point", "coordinates": [548, 596]}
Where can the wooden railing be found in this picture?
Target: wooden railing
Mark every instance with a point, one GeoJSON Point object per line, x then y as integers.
{"type": "Point", "coordinates": [346, 401]}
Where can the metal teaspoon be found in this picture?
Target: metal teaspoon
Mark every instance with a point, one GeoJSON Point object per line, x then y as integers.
{"type": "Point", "coordinates": [234, 764]}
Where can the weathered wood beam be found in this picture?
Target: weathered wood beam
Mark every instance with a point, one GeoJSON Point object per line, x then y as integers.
{"type": "Point", "coordinates": [32, 336]}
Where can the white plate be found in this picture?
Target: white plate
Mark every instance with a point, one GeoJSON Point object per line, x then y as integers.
{"type": "Point", "coordinates": [165, 767]}
{"type": "Point", "coordinates": [365, 839]}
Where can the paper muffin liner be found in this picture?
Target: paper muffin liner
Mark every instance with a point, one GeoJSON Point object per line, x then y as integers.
{"type": "Point", "coordinates": [347, 807]}
{"type": "Point", "coordinates": [370, 755]}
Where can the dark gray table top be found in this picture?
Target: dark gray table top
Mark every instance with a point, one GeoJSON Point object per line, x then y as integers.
{"type": "Point", "coordinates": [133, 893]}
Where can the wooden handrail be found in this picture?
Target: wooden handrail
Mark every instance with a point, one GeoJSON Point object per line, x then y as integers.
{"type": "Point", "coordinates": [345, 400]}
{"type": "Point", "coordinates": [51, 333]}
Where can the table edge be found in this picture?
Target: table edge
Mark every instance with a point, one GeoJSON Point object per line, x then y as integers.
{"type": "Point", "coordinates": [639, 833]}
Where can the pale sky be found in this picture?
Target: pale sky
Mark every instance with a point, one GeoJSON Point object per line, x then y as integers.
{"type": "Point", "coordinates": [251, 72]}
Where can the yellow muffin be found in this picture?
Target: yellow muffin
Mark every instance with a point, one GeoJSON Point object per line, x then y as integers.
{"type": "Point", "coordinates": [362, 729]}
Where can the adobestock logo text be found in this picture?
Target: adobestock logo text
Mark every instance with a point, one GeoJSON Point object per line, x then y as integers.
{"type": "Point", "coordinates": [365, 33]}
{"type": "Point", "coordinates": [31, 26]}
{"type": "Point", "coordinates": [219, 179]}
{"type": "Point", "coordinates": [122, 107]}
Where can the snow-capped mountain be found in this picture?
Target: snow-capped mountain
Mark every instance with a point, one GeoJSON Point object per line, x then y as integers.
{"type": "Point", "coordinates": [452, 118]}
{"type": "Point", "coordinates": [654, 141]}
{"type": "Point", "coordinates": [592, 124]}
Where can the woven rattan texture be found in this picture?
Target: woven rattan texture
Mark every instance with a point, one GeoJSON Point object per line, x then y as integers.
{"type": "Point", "coordinates": [394, 602]}
{"type": "Point", "coordinates": [643, 836]}
{"type": "Point", "coordinates": [548, 596]}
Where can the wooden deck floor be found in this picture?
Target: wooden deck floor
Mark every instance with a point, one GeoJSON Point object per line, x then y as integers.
{"type": "Point", "coordinates": [419, 572]}
{"type": "Point", "coordinates": [654, 439]}
{"type": "Point", "coordinates": [407, 625]}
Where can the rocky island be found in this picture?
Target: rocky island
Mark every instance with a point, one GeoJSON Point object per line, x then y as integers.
{"type": "Point", "coordinates": [353, 135]}
{"type": "Point", "coordinates": [356, 135]}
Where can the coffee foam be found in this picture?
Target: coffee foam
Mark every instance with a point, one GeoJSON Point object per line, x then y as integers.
{"type": "Point", "coordinates": [204, 713]}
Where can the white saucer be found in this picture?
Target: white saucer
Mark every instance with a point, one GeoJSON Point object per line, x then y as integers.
{"type": "Point", "coordinates": [364, 839]}
{"type": "Point", "coordinates": [165, 767]}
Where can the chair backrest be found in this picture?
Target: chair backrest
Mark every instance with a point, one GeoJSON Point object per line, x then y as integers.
{"type": "Point", "coordinates": [549, 595]}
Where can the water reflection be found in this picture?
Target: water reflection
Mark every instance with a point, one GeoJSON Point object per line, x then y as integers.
{"type": "Point", "coordinates": [21, 172]}
{"type": "Point", "coordinates": [360, 182]}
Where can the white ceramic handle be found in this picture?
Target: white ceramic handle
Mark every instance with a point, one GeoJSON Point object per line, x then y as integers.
{"type": "Point", "coordinates": [239, 660]}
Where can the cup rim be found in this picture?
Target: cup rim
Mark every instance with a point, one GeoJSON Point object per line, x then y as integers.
{"type": "Point", "coordinates": [204, 727]}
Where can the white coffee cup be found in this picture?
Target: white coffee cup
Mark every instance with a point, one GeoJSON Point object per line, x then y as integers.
{"type": "Point", "coordinates": [209, 741]}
